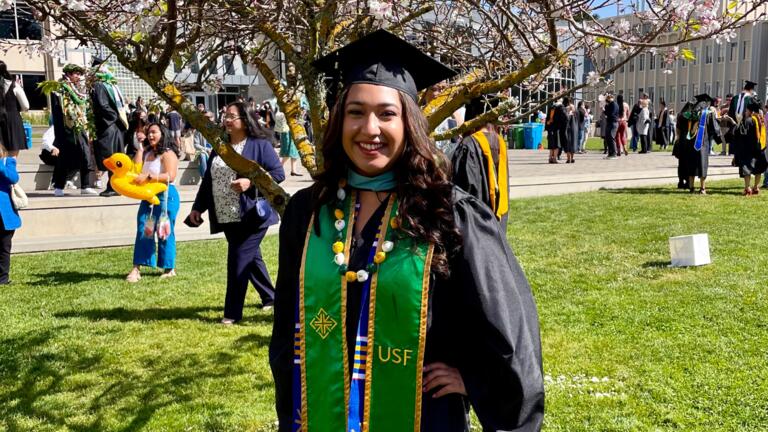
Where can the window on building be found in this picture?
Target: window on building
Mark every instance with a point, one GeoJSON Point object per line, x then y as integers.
{"type": "Point", "coordinates": [632, 65]}
{"type": "Point", "coordinates": [661, 94]}
{"type": "Point", "coordinates": [708, 54]}
{"type": "Point", "coordinates": [744, 50]}
{"type": "Point", "coordinates": [672, 94]}
{"type": "Point", "coordinates": [651, 62]}
{"type": "Point", "coordinates": [19, 23]}
{"type": "Point", "coordinates": [621, 68]}
{"type": "Point", "coordinates": [694, 89]}
{"type": "Point", "coordinates": [732, 51]}
{"type": "Point", "coordinates": [651, 95]}
{"type": "Point", "coordinates": [229, 66]}
{"type": "Point", "coordinates": [37, 100]}
{"type": "Point", "coordinates": [631, 97]}
{"type": "Point", "coordinates": [194, 64]}
{"type": "Point", "coordinates": [708, 89]}
{"type": "Point", "coordinates": [719, 52]}
{"type": "Point", "coordinates": [682, 63]}
{"type": "Point", "coordinates": [717, 88]}
{"type": "Point", "coordinates": [695, 56]}
{"type": "Point", "coordinates": [641, 62]}
{"type": "Point", "coordinates": [732, 87]}
{"type": "Point", "coordinates": [683, 93]}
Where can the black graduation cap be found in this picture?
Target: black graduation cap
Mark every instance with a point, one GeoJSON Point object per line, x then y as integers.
{"type": "Point", "coordinates": [749, 85]}
{"type": "Point", "coordinates": [704, 98]}
{"type": "Point", "coordinates": [480, 105]}
{"type": "Point", "coordinates": [382, 58]}
{"type": "Point", "coordinates": [97, 61]}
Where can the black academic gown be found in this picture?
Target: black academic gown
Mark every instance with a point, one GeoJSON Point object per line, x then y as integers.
{"type": "Point", "coordinates": [482, 320]}
{"type": "Point", "coordinates": [750, 158]}
{"type": "Point", "coordinates": [73, 146]}
{"type": "Point", "coordinates": [110, 130]}
{"type": "Point", "coordinates": [470, 169]}
{"type": "Point", "coordinates": [571, 133]}
{"type": "Point", "coordinates": [692, 162]}
{"type": "Point", "coordinates": [557, 133]}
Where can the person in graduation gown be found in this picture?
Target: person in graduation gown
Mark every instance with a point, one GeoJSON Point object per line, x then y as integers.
{"type": "Point", "coordinates": [109, 118]}
{"type": "Point", "coordinates": [69, 109]}
{"type": "Point", "coordinates": [571, 131]}
{"type": "Point", "coordinates": [479, 163]}
{"type": "Point", "coordinates": [556, 127]}
{"type": "Point", "coordinates": [698, 125]}
{"type": "Point", "coordinates": [404, 329]}
{"type": "Point", "coordinates": [750, 147]}
{"type": "Point", "coordinates": [739, 103]}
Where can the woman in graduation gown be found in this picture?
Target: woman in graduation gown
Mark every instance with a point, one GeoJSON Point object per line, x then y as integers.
{"type": "Point", "coordinates": [750, 148]}
{"type": "Point", "coordinates": [398, 303]}
{"type": "Point", "coordinates": [698, 125]}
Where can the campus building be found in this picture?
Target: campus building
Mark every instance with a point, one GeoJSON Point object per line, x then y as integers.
{"type": "Point", "coordinates": [718, 69]}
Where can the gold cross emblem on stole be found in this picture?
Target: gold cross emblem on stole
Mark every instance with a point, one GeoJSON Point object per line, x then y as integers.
{"type": "Point", "coordinates": [323, 323]}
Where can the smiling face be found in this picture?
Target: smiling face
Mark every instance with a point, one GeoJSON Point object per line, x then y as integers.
{"type": "Point", "coordinates": [373, 131]}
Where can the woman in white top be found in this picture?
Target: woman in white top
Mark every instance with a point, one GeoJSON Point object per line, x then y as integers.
{"type": "Point", "coordinates": [160, 164]}
{"type": "Point", "coordinates": [643, 124]}
{"type": "Point", "coordinates": [13, 102]}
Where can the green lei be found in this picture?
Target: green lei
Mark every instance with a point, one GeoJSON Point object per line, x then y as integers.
{"type": "Point", "coordinates": [74, 107]}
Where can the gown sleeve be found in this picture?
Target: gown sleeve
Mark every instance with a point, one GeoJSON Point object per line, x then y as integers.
{"type": "Point", "coordinates": [468, 169]}
{"type": "Point", "coordinates": [503, 374]}
{"type": "Point", "coordinates": [292, 234]}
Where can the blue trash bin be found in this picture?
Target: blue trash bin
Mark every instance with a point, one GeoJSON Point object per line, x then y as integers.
{"type": "Point", "coordinates": [28, 133]}
{"type": "Point", "coordinates": [532, 135]}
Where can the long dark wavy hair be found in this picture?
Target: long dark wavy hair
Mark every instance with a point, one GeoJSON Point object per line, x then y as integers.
{"type": "Point", "coordinates": [620, 103]}
{"type": "Point", "coordinates": [166, 142]}
{"type": "Point", "coordinates": [4, 71]}
{"type": "Point", "coordinates": [424, 187]}
{"type": "Point", "coordinates": [252, 127]}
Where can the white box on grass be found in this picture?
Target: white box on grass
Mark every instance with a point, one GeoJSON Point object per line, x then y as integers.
{"type": "Point", "coordinates": [689, 250]}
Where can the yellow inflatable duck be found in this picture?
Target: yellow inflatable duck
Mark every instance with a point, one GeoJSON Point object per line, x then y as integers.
{"type": "Point", "coordinates": [124, 171]}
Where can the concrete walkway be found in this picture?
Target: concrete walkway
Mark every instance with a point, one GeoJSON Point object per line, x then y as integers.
{"type": "Point", "coordinates": [531, 175]}
{"type": "Point", "coordinates": [76, 222]}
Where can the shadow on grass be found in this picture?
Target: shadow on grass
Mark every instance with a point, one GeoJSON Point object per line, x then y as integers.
{"type": "Point", "coordinates": [656, 264]}
{"type": "Point", "coordinates": [38, 374]}
{"type": "Point", "coordinates": [55, 278]}
{"type": "Point", "coordinates": [159, 314]}
{"type": "Point", "coordinates": [673, 191]}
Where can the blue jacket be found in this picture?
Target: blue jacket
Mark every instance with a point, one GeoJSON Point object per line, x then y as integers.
{"type": "Point", "coordinates": [8, 176]}
{"type": "Point", "coordinates": [259, 150]}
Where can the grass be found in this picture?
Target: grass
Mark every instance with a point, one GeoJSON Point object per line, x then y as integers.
{"type": "Point", "coordinates": [629, 344]}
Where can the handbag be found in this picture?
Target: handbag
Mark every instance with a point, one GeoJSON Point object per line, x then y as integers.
{"type": "Point", "coordinates": [18, 197]}
{"type": "Point", "coordinates": [254, 210]}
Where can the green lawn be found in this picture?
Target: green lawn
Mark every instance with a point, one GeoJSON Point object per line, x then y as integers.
{"type": "Point", "coordinates": [629, 344]}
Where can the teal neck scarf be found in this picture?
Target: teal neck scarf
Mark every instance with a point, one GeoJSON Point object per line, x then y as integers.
{"type": "Point", "coordinates": [381, 182]}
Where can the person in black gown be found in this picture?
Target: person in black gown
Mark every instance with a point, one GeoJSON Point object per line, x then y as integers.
{"type": "Point", "coordinates": [750, 148]}
{"type": "Point", "coordinates": [482, 344]}
{"type": "Point", "coordinates": [556, 127]}
{"type": "Point", "coordinates": [486, 178]}
{"type": "Point", "coordinates": [698, 125]}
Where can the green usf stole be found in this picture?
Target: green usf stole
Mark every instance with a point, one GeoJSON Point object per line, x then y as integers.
{"type": "Point", "coordinates": [392, 359]}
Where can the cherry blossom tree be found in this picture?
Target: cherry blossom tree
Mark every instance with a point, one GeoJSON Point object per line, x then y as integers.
{"type": "Point", "coordinates": [494, 44]}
